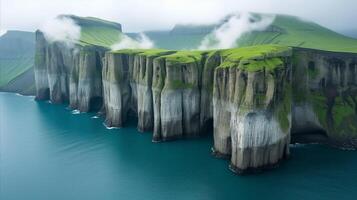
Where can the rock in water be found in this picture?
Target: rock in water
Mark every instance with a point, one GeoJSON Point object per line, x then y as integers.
{"type": "Point", "coordinates": [253, 112]}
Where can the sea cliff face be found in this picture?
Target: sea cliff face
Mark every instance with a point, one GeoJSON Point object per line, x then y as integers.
{"type": "Point", "coordinates": [325, 100]}
{"type": "Point", "coordinates": [68, 74]}
{"type": "Point", "coordinates": [254, 99]}
{"type": "Point", "coordinates": [253, 112]}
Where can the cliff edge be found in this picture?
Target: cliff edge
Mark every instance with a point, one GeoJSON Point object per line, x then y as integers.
{"type": "Point", "coordinates": [255, 99]}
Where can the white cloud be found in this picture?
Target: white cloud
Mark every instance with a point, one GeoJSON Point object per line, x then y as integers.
{"type": "Point", "coordinates": [61, 29]}
{"type": "Point", "coordinates": [143, 42]}
{"type": "Point", "coordinates": [139, 15]}
{"type": "Point", "coordinates": [226, 35]}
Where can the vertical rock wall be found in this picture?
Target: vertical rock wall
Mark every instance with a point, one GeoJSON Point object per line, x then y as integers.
{"type": "Point", "coordinates": [116, 89]}
{"type": "Point", "coordinates": [165, 95]}
{"type": "Point", "coordinates": [252, 116]}
{"type": "Point", "coordinates": [325, 95]}
{"type": "Point", "coordinates": [41, 79]}
{"type": "Point", "coordinates": [252, 105]}
{"type": "Point", "coordinates": [68, 74]}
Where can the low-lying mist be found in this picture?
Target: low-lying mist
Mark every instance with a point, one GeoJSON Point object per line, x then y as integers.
{"type": "Point", "coordinates": [226, 35]}
{"type": "Point", "coordinates": [61, 29]}
{"type": "Point", "coordinates": [142, 42]}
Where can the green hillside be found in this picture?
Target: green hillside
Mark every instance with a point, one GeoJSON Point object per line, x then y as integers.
{"type": "Point", "coordinates": [285, 30]}
{"type": "Point", "coordinates": [292, 31]}
{"type": "Point", "coordinates": [17, 49]}
{"type": "Point", "coordinates": [16, 54]}
{"type": "Point", "coordinates": [96, 31]}
{"type": "Point", "coordinates": [180, 37]}
{"type": "Point", "coordinates": [253, 58]}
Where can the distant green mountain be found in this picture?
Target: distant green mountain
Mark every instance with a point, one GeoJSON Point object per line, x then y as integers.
{"type": "Point", "coordinates": [17, 49]}
{"type": "Point", "coordinates": [180, 37]}
{"type": "Point", "coordinates": [285, 30]}
{"type": "Point", "coordinates": [349, 33]}
{"type": "Point", "coordinates": [16, 59]}
{"type": "Point", "coordinates": [292, 31]}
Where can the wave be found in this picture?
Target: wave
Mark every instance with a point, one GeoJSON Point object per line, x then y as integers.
{"type": "Point", "coordinates": [76, 112]}
{"type": "Point", "coordinates": [110, 127]}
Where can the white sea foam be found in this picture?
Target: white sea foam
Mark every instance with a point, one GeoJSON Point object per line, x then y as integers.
{"type": "Point", "coordinates": [18, 94]}
{"type": "Point", "coordinates": [110, 127]}
{"type": "Point", "coordinates": [76, 112]}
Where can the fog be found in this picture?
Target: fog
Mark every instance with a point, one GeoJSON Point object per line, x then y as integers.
{"type": "Point", "coordinates": [139, 15]}
{"type": "Point", "coordinates": [63, 30]}
{"type": "Point", "coordinates": [227, 34]}
{"type": "Point", "coordinates": [143, 42]}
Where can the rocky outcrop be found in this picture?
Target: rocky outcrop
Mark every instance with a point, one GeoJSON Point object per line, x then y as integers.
{"type": "Point", "coordinates": [254, 99]}
{"type": "Point", "coordinates": [116, 88]}
{"type": "Point", "coordinates": [164, 93]}
{"type": "Point", "coordinates": [325, 100]}
{"type": "Point", "coordinates": [41, 78]}
{"type": "Point", "coordinates": [252, 113]}
{"type": "Point", "coordinates": [68, 74]}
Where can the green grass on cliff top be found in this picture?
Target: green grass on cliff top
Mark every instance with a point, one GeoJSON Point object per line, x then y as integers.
{"type": "Point", "coordinates": [145, 52]}
{"type": "Point", "coordinates": [171, 56]}
{"type": "Point", "coordinates": [16, 55]}
{"type": "Point", "coordinates": [105, 37]}
{"type": "Point", "coordinates": [184, 57]}
{"type": "Point", "coordinates": [252, 58]}
{"type": "Point", "coordinates": [96, 31]}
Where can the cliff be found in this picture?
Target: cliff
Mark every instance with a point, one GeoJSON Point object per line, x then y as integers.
{"type": "Point", "coordinates": [64, 74]}
{"type": "Point", "coordinates": [254, 99]}
{"type": "Point", "coordinates": [72, 72]}
{"type": "Point", "coordinates": [325, 95]}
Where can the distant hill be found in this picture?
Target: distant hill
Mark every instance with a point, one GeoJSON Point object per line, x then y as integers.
{"type": "Point", "coordinates": [16, 62]}
{"type": "Point", "coordinates": [180, 37]}
{"type": "Point", "coordinates": [285, 30]}
{"type": "Point", "coordinates": [17, 50]}
{"type": "Point", "coordinates": [349, 33]}
{"type": "Point", "coordinates": [292, 31]}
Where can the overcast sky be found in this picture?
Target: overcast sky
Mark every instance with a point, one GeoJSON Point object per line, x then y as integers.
{"type": "Point", "coordinates": [138, 15]}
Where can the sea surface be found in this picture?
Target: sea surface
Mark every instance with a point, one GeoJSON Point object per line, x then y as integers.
{"type": "Point", "coordinates": [48, 152]}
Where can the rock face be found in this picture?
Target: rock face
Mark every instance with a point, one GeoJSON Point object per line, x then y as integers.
{"type": "Point", "coordinates": [325, 100]}
{"type": "Point", "coordinates": [252, 114]}
{"type": "Point", "coordinates": [116, 88]}
{"type": "Point", "coordinates": [254, 99]}
{"type": "Point", "coordinates": [65, 74]}
{"type": "Point", "coordinates": [163, 93]}
{"type": "Point", "coordinates": [41, 78]}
